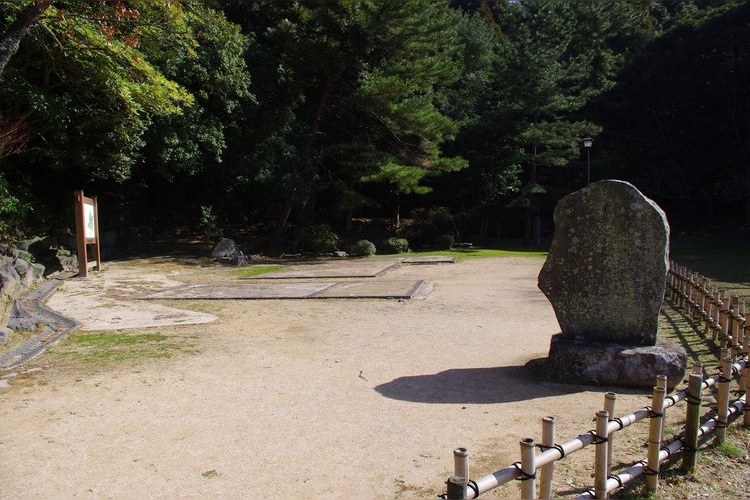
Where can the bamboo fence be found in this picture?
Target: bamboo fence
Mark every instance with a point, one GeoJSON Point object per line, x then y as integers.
{"type": "Point", "coordinates": [723, 318]}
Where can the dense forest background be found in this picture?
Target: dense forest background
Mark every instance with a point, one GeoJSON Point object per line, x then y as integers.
{"type": "Point", "coordinates": [269, 117]}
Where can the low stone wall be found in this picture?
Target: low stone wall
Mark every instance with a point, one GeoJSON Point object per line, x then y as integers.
{"type": "Point", "coordinates": [19, 275]}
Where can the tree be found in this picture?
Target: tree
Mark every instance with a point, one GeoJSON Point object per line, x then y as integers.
{"type": "Point", "coordinates": [86, 78]}
{"type": "Point", "coordinates": [556, 57]}
{"type": "Point", "coordinates": [678, 121]}
{"type": "Point", "coordinates": [368, 78]}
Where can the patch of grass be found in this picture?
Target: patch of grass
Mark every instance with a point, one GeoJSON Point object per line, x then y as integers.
{"type": "Point", "coordinates": [731, 450]}
{"type": "Point", "coordinates": [250, 271]}
{"type": "Point", "coordinates": [471, 253]}
{"type": "Point", "coordinates": [720, 256]}
{"type": "Point", "coordinates": [106, 348]}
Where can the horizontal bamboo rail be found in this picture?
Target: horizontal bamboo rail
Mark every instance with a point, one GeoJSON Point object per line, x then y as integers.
{"type": "Point", "coordinates": [725, 318]}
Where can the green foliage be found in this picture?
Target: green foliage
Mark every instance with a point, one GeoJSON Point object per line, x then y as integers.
{"type": "Point", "coordinates": [394, 245]}
{"type": "Point", "coordinates": [319, 239]}
{"type": "Point", "coordinates": [433, 227]}
{"type": "Point", "coordinates": [209, 224]}
{"type": "Point", "coordinates": [362, 248]}
{"type": "Point", "coordinates": [12, 212]}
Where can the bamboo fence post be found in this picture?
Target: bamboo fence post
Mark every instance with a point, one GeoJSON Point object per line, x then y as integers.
{"type": "Point", "coordinates": [723, 398]}
{"type": "Point", "coordinates": [741, 325]}
{"type": "Point", "coordinates": [717, 314]}
{"type": "Point", "coordinates": [661, 381]}
{"type": "Point", "coordinates": [600, 454]}
{"type": "Point", "coordinates": [528, 469]}
{"type": "Point", "coordinates": [734, 321]}
{"type": "Point", "coordinates": [609, 406]}
{"type": "Point", "coordinates": [708, 328]}
{"type": "Point", "coordinates": [461, 463]}
{"type": "Point", "coordinates": [547, 471]}
{"type": "Point", "coordinates": [723, 315]}
{"type": "Point", "coordinates": [746, 409]}
{"type": "Point", "coordinates": [693, 422]}
{"type": "Point", "coordinates": [456, 486]}
{"type": "Point", "coordinates": [703, 292]}
{"type": "Point", "coordinates": [654, 438]}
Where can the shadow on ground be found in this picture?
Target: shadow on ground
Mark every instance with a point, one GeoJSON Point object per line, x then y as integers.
{"type": "Point", "coordinates": [504, 384]}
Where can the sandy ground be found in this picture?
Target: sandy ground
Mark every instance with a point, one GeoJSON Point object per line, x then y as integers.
{"type": "Point", "coordinates": [296, 399]}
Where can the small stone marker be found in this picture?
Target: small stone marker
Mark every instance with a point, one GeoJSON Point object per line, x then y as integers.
{"type": "Point", "coordinates": [605, 277]}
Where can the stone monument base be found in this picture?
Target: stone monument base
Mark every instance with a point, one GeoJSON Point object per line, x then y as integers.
{"type": "Point", "coordinates": [598, 363]}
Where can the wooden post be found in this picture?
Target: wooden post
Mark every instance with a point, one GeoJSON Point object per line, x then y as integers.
{"type": "Point", "coordinates": [83, 269]}
{"type": "Point", "coordinates": [609, 406]}
{"type": "Point", "coordinates": [654, 438]}
{"type": "Point", "coordinates": [746, 409]}
{"type": "Point", "coordinates": [600, 454]}
{"type": "Point", "coordinates": [528, 468]}
{"type": "Point", "coordinates": [87, 231]}
{"type": "Point", "coordinates": [547, 471]}
{"type": "Point", "coordinates": [723, 398]}
{"type": "Point", "coordinates": [693, 422]}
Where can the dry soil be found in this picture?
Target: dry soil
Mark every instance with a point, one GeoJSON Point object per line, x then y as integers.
{"type": "Point", "coordinates": [292, 399]}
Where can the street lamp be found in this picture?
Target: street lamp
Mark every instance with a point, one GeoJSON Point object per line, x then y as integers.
{"type": "Point", "coordinates": [587, 143]}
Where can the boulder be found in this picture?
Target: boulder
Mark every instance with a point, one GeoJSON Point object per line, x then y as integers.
{"type": "Point", "coordinates": [10, 290]}
{"type": "Point", "coordinates": [600, 363]}
{"type": "Point", "coordinates": [227, 250]}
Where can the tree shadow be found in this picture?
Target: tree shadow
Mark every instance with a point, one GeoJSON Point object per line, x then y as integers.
{"type": "Point", "coordinates": [502, 384]}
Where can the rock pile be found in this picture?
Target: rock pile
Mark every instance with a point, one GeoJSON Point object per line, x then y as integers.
{"type": "Point", "coordinates": [18, 276]}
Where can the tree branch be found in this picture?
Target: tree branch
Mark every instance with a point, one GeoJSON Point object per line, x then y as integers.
{"type": "Point", "coordinates": [11, 39]}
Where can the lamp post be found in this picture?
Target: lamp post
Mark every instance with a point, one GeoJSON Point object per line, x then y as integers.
{"type": "Point", "coordinates": [587, 143]}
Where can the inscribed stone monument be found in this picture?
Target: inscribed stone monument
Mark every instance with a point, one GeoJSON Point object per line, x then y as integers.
{"type": "Point", "coordinates": [605, 277]}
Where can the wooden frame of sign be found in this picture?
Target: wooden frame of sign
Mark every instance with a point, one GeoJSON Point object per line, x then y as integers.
{"type": "Point", "coordinates": [87, 232]}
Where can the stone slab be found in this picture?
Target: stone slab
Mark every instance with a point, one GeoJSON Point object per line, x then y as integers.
{"type": "Point", "coordinates": [431, 259]}
{"type": "Point", "coordinates": [403, 289]}
{"type": "Point", "coordinates": [348, 268]}
{"type": "Point", "coordinates": [606, 270]}
{"type": "Point", "coordinates": [598, 363]}
{"type": "Point", "coordinates": [243, 291]}
{"type": "Point", "coordinates": [371, 290]}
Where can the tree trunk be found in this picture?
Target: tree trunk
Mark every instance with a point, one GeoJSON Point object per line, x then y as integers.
{"type": "Point", "coordinates": [11, 39]}
{"type": "Point", "coordinates": [281, 224]}
{"type": "Point", "coordinates": [276, 244]}
{"type": "Point", "coordinates": [397, 213]}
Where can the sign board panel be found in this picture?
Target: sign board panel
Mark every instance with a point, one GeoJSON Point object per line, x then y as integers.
{"type": "Point", "coordinates": [89, 221]}
{"type": "Point", "coordinates": [87, 232]}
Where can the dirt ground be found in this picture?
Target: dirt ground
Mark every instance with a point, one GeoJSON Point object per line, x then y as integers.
{"type": "Point", "coordinates": [291, 399]}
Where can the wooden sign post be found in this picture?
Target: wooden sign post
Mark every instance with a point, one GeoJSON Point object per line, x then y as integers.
{"type": "Point", "coordinates": [87, 232]}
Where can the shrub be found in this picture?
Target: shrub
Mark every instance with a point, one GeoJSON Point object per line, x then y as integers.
{"type": "Point", "coordinates": [395, 245]}
{"type": "Point", "coordinates": [433, 227]}
{"type": "Point", "coordinates": [362, 248]}
{"type": "Point", "coordinates": [209, 224]}
{"type": "Point", "coordinates": [319, 239]}
{"type": "Point", "coordinates": [443, 241]}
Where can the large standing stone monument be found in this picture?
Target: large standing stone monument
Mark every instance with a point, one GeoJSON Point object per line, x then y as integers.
{"type": "Point", "coordinates": [605, 277]}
